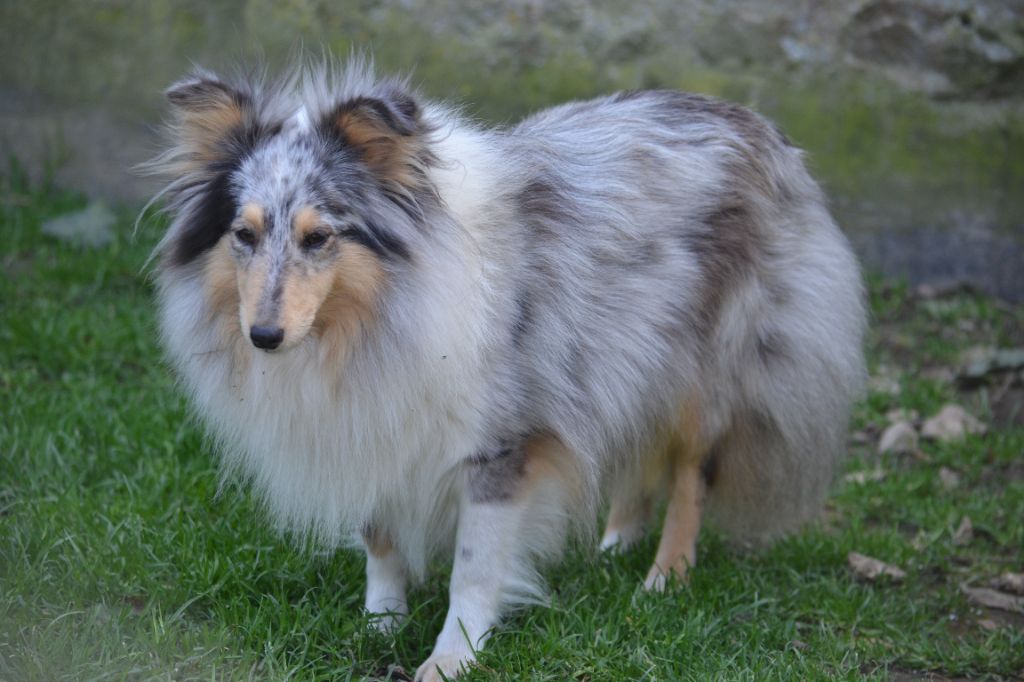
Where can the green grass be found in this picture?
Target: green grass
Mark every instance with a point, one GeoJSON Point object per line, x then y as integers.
{"type": "Point", "coordinates": [120, 560]}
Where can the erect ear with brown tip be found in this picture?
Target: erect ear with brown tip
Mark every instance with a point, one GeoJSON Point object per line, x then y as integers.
{"type": "Point", "coordinates": [387, 133]}
{"type": "Point", "coordinates": [211, 117]}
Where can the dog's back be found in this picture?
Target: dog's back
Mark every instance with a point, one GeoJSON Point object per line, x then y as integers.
{"type": "Point", "coordinates": [682, 274]}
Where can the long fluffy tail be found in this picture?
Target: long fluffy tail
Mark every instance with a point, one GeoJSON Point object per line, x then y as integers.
{"type": "Point", "coordinates": [766, 480]}
{"type": "Point", "coordinates": [773, 466]}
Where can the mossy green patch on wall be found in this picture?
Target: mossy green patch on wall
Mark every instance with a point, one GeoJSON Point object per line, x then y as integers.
{"type": "Point", "coordinates": [909, 174]}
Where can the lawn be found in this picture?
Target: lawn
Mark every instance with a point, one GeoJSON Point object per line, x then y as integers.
{"type": "Point", "coordinates": [119, 558]}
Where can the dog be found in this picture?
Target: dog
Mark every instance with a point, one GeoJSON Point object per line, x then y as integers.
{"type": "Point", "coordinates": [413, 333]}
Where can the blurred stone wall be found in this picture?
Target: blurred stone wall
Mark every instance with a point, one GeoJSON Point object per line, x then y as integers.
{"type": "Point", "coordinates": [912, 111]}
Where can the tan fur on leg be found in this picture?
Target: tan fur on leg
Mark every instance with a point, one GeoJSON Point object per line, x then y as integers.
{"type": "Point", "coordinates": [633, 494]}
{"type": "Point", "coordinates": [677, 550]}
{"type": "Point", "coordinates": [385, 580]}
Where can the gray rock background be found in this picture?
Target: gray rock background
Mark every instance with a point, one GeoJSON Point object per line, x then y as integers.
{"type": "Point", "coordinates": [912, 111]}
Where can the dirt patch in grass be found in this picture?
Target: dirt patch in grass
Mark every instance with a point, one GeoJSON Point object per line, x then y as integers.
{"type": "Point", "coordinates": [1000, 474]}
{"type": "Point", "coordinates": [994, 619]}
{"type": "Point", "coordinates": [901, 675]}
{"type": "Point", "coordinates": [1007, 405]}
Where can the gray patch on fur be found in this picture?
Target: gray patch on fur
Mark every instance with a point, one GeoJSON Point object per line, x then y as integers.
{"type": "Point", "coordinates": [771, 347]}
{"type": "Point", "coordinates": [496, 477]}
{"type": "Point", "coordinates": [725, 252]}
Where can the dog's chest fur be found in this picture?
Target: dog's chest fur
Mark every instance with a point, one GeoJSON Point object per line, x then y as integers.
{"type": "Point", "coordinates": [329, 453]}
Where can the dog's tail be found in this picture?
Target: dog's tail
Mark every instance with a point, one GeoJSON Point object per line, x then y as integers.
{"type": "Point", "coordinates": [771, 468]}
{"type": "Point", "coordinates": [765, 480]}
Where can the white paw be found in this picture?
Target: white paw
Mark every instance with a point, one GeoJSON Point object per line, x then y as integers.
{"type": "Point", "coordinates": [655, 582]}
{"type": "Point", "coordinates": [441, 667]}
{"type": "Point", "coordinates": [659, 581]}
{"type": "Point", "coordinates": [621, 539]}
{"type": "Point", "coordinates": [388, 623]}
{"type": "Point", "coordinates": [387, 613]}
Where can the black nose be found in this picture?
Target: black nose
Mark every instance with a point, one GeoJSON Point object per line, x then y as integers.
{"type": "Point", "coordinates": [267, 338]}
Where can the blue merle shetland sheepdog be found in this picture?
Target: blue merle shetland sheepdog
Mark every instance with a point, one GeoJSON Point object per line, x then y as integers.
{"type": "Point", "coordinates": [416, 334]}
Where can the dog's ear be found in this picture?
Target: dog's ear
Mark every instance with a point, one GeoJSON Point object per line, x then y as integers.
{"type": "Point", "coordinates": [211, 118]}
{"type": "Point", "coordinates": [214, 125]}
{"type": "Point", "coordinates": [388, 134]}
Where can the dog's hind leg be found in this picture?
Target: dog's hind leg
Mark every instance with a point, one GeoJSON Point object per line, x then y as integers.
{"type": "Point", "coordinates": [385, 580]}
{"type": "Point", "coordinates": [677, 549]}
{"type": "Point", "coordinates": [513, 507]}
{"type": "Point", "coordinates": [627, 518]}
{"type": "Point", "coordinates": [633, 491]}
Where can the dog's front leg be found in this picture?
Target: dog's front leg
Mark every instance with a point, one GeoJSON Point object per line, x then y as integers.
{"type": "Point", "coordinates": [385, 580]}
{"type": "Point", "coordinates": [488, 559]}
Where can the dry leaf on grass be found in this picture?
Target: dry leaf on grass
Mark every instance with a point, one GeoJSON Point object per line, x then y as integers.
{"type": "Point", "coordinates": [870, 568]}
{"type": "Point", "coordinates": [1010, 582]}
{"type": "Point", "coordinates": [993, 599]}
{"type": "Point", "coordinates": [885, 382]}
{"type": "Point", "coordinates": [897, 438]}
{"type": "Point", "coordinates": [950, 479]}
{"type": "Point", "coordinates": [899, 414]}
{"type": "Point", "coordinates": [951, 423]}
{"type": "Point", "coordinates": [980, 363]}
{"type": "Point", "coordinates": [988, 624]}
{"type": "Point", "coordinates": [921, 456]}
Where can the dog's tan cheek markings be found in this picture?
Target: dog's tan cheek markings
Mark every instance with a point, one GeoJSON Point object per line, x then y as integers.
{"type": "Point", "coordinates": [220, 279]}
{"type": "Point", "coordinates": [303, 292]}
{"type": "Point", "coordinates": [220, 282]}
{"type": "Point", "coordinates": [350, 304]}
{"type": "Point", "coordinates": [361, 274]}
{"type": "Point", "coordinates": [356, 280]}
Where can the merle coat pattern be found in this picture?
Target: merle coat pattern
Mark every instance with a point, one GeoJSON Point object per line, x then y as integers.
{"type": "Point", "coordinates": [414, 333]}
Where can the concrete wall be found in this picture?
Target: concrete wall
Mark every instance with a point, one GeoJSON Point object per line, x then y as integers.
{"type": "Point", "coordinates": [912, 110]}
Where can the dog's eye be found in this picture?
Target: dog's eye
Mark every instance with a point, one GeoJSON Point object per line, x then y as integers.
{"type": "Point", "coordinates": [246, 236]}
{"type": "Point", "coordinates": [314, 240]}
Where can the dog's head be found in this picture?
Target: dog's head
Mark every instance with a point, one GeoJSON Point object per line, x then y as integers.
{"type": "Point", "coordinates": [296, 203]}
